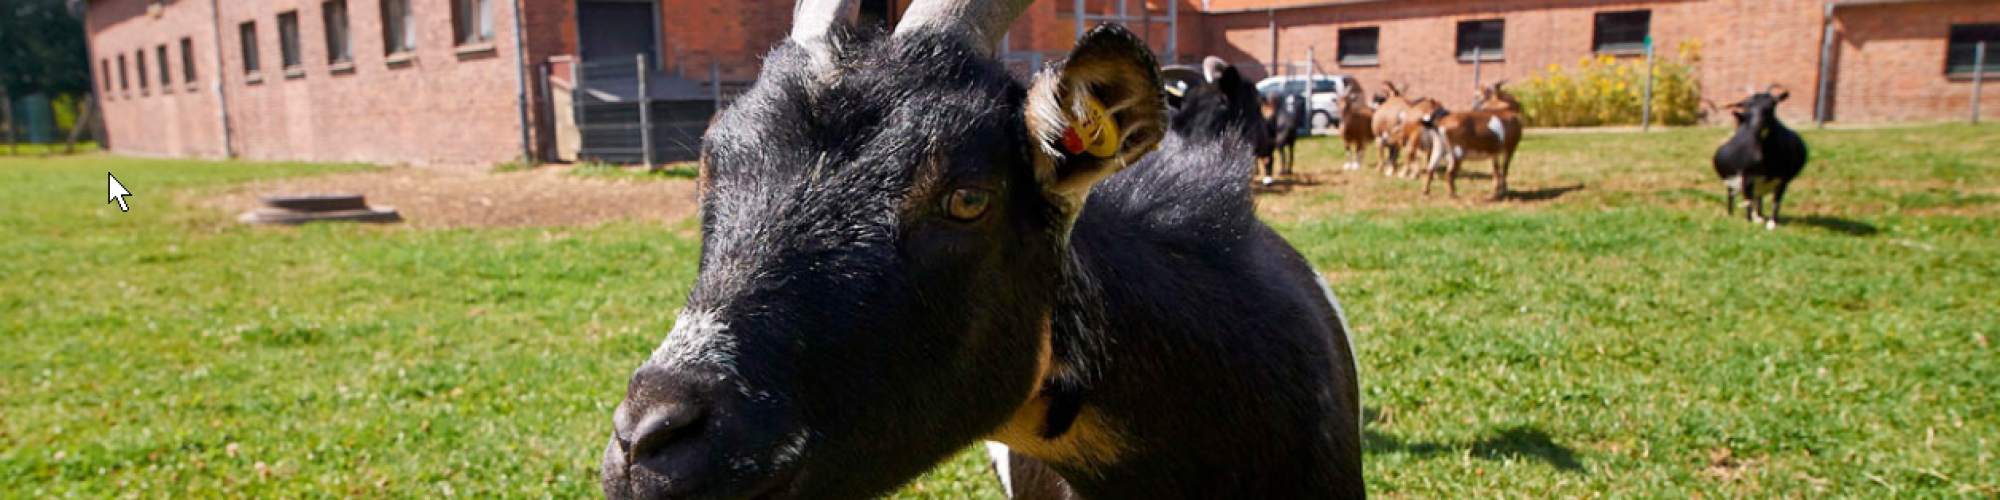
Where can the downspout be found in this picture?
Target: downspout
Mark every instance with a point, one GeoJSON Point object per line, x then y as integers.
{"type": "Point", "coordinates": [521, 84]}
{"type": "Point", "coordinates": [1825, 63]}
{"type": "Point", "coordinates": [221, 91]}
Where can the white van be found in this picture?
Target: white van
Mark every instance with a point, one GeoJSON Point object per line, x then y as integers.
{"type": "Point", "coordinates": [1326, 90]}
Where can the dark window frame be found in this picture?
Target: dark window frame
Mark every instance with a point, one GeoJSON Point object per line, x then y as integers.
{"type": "Point", "coordinates": [124, 75]}
{"type": "Point", "coordinates": [166, 69]}
{"type": "Point", "coordinates": [1961, 46]}
{"type": "Point", "coordinates": [1473, 34]}
{"type": "Point", "coordinates": [399, 33]}
{"type": "Point", "coordinates": [291, 56]}
{"type": "Point", "coordinates": [1621, 32]}
{"type": "Point", "coordinates": [1352, 41]}
{"type": "Point", "coordinates": [339, 39]}
{"type": "Point", "coordinates": [104, 73]}
{"type": "Point", "coordinates": [472, 22]}
{"type": "Point", "coordinates": [139, 61]}
{"type": "Point", "coordinates": [188, 74]}
{"type": "Point", "coordinates": [247, 33]}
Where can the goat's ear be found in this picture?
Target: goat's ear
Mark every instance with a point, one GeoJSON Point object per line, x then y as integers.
{"type": "Point", "coordinates": [1780, 92]}
{"type": "Point", "coordinates": [1096, 113]}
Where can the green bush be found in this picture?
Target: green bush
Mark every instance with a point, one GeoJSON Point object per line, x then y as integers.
{"type": "Point", "coordinates": [1608, 91]}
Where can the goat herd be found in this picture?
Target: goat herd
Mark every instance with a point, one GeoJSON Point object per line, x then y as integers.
{"type": "Point", "coordinates": [1417, 135]}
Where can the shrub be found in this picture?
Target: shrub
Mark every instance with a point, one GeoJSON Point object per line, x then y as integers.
{"type": "Point", "coordinates": [1608, 91]}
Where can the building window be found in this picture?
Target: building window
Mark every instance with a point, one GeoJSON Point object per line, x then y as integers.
{"type": "Point", "coordinates": [399, 27]}
{"type": "Point", "coordinates": [105, 75]}
{"type": "Point", "coordinates": [166, 78]}
{"type": "Point", "coordinates": [139, 61]}
{"type": "Point", "coordinates": [1483, 37]}
{"type": "Point", "coordinates": [1358, 46]}
{"type": "Point", "coordinates": [187, 60]}
{"type": "Point", "coordinates": [288, 40]}
{"type": "Point", "coordinates": [124, 81]}
{"type": "Point", "coordinates": [1622, 32]}
{"type": "Point", "coordinates": [339, 47]}
{"type": "Point", "coordinates": [1964, 47]}
{"type": "Point", "coordinates": [248, 31]}
{"type": "Point", "coordinates": [472, 21]}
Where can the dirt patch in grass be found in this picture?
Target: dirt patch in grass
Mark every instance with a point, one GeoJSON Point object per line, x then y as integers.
{"type": "Point", "coordinates": [433, 198]}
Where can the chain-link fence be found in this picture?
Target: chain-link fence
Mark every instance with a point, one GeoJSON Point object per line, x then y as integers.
{"type": "Point", "coordinates": [42, 124]}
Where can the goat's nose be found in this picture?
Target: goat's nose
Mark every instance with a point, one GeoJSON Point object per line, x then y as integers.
{"type": "Point", "coordinates": [658, 412]}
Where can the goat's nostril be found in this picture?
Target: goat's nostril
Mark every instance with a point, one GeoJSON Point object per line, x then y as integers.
{"type": "Point", "coordinates": [660, 428]}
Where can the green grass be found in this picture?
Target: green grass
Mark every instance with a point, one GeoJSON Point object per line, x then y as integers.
{"type": "Point", "coordinates": [1623, 340]}
{"type": "Point", "coordinates": [29, 149]}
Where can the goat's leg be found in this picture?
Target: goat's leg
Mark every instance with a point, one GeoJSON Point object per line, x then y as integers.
{"type": "Point", "coordinates": [1290, 158]}
{"type": "Point", "coordinates": [1428, 175]}
{"type": "Point", "coordinates": [1501, 164]}
{"type": "Point", "coordinates": [1728, 201]}
{"type": "Point", "coordinates": [1777, 203]}
{"type": "Point", "coordinates": [1451, 176]}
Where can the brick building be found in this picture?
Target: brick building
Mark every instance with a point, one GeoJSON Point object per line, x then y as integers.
{"type": "Point", "coordinates": [1889, 59]}
{"type": "Point", "coordinates": [478, 81]}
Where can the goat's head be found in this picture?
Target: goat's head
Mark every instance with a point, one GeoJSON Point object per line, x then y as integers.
{"type": "Point", "coordinates": [884, 222]}
{"type": "Point", "coordinates": [1227, 102]}
{"type": "Point", "coordinates": [1494, 97]}
{"type": "Point", "coordinates": [1760, 107]}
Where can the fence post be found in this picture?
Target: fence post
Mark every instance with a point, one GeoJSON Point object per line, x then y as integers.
{"type": "Point", "coordinates": [1978, 77]}
{"type": "Point", "coordinates": [577, 94]}
{"type": "Point", "coordinates": [715, 83]}
{"type": "Point", "coordinates": [645, 115]}
{"type": "Point", "coordinates": [1475, 66]}
{"type": "Point", "coordinates": [1646, 111]}
{"type": "Point", "coordinates": [7, 119]}
{"type": "Point", "coordinates": [81, 122]}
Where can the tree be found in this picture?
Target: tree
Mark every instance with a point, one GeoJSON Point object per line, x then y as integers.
{"type": "Point", "coordinates": [42, 48]}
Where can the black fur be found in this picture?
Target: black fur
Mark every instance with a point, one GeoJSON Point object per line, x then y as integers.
{"type": "Point", "coordinates": [1762, 151]}
{"type": "Point", "coordinates": [1285, 120]}
{"type": "Point", "coordinates": [885, 337]}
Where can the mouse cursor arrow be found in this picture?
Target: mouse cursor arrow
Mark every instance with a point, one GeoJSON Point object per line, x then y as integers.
{"type": "Point", "coordinates": [118, 192]}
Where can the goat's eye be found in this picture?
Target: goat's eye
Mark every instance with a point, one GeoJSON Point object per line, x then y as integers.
{"type": "Point", "coordinates": [967, 204]}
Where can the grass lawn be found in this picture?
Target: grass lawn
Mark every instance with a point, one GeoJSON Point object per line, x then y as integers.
{"type": "Point", "coordinates": [1611, 335]}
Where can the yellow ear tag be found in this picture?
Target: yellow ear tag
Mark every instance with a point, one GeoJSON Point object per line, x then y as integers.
{"type": "Point", "coordinates": [1097, 130]}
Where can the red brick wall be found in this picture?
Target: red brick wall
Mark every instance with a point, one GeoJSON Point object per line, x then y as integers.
{"type": "Point", "coordinates": [163, 120]}
{"type": "Point", "coordinates": [1890, 64]}
{"type": "Point", "coordinates": [1745, 42]}
{"type": "Point", "coordinates": [446, 106]}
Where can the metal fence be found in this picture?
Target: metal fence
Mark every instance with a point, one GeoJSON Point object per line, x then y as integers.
{"type": "Point", "coordinates": [38, 120]}
{"type": "Point", "coordinates": [630, 112]}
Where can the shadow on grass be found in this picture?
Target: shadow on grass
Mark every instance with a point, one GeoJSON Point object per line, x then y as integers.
{"type": "Point", "coordinates": [1541, 194]}
{"type": "Point", "coordinates": [1282, 184]}
{"type": "Point", "coordinates": [1849, 227]}
{"type": "Point", "coordinates": [1510, 443]}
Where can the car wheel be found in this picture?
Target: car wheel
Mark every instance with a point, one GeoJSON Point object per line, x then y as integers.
{"type": "Point", "coordinates": [1321, 120]}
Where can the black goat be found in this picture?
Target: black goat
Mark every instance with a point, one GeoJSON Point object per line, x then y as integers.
{"type": "Point", "coordinates": [1284, 132]}
{"type": "Point", "coordinates": [1762, 158]}
{"type": "Point", "coordinates": [906, 250]}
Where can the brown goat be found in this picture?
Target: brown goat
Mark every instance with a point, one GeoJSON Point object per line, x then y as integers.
{"type": "Point", "coordinates": [1356, 128]}
{"type": "Point", "coordinates": [1492, 132]}
{"type": "Point", "coordinates": [1411, 138]}
{"type": "Point", "coordinates": [1389, 117]}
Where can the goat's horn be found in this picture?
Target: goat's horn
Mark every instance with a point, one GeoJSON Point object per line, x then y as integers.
{"type": "Point", "coordinates": [813, 19]}
{"type": "Point", "coordinates": [986, 21]}
{"type": "Point", "coordinates": [1211, 68]}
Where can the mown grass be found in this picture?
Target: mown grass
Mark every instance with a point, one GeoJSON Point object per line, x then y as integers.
{"type": "Point", "coordinates": [32, 149]}
{"type": "Point", "coordinates": [1623, 340]}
